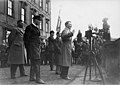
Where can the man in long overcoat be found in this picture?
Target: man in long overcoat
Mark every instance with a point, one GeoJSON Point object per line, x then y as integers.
{"type": "Point", "coordinates": [51, 50]}
{"type": "Point", "coordinates": [32, 44]}
{"type": "Point", "coordinates": [79, 36]}
{"type": "Point", "coordinates": [58, 46]}
{"type": "Point", "coordinates": [66, 50]}
{"type": "Point", "coordinates": [16, 50]}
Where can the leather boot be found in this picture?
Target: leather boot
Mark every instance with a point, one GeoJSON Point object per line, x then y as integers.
{"type": "Point", "coordinates": [38, 80]}
{"type": "Point", "coordinates": [51, 67]}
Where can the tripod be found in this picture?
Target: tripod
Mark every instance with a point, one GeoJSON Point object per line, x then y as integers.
{"type": "Point", "coordinates": [92, 61]}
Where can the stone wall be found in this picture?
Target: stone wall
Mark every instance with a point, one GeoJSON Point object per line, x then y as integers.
{"type": "Point", "coordinates": [111, 61]}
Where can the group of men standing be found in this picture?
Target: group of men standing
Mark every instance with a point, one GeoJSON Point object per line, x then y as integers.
{"type": "Point", "coordinates": [30, 38]}
{"type": "Point", "coordinates": [59, 49]}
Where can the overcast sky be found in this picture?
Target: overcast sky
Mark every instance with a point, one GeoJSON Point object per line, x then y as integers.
{"type": "Point", "coordinates": [85, 12]}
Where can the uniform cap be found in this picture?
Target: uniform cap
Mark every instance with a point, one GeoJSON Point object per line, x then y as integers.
{"type": "Point", "coordinates": [38, 17]}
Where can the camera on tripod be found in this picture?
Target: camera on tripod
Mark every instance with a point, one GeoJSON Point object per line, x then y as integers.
{"type": "Point", "coordinates": [93, 59]}
{"type": "Point", "coordinates": [88, 33]}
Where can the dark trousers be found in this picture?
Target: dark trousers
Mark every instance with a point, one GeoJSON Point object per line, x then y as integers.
{"type": "Point", "coordinates": [58, 69]}
{"type": "Point", "coordinates": [35, 69]}
{"type": "Point", "coordinates": [51, 60]}
{"type": "Point", "coordinates": [64, 71]}
{"type": "Point", "coordinates": [43, 58]}
{"type": "Point", "coordinates": [13, 69]}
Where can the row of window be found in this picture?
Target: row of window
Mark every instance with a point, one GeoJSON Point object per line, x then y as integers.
{"type": "Point", "coordinates": [23, 13]}
{"type": "Point", "coordinates": [11, 3]}
{"type": "Point", "coordinates": [41, 4]}
{"type": "Point", "coordinates": [10, 12]}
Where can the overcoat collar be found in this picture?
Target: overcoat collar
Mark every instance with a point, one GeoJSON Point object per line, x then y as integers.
{"type": "Point", "coordinates": [20, 30]}
{"type": "Point", "coordinates": [34, 24]}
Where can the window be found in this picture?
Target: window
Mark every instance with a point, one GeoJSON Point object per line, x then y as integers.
{"type": "Point", "coordinates": [41, 25]}
{"type": "Point", "coordinates": [46, 6]}
{"type": "Point", "coordinates": [32, 18]}
{"type": "Point", "coordinates": [7, 34]}
{"type": "Point", "coordinates": [47, 26]}
{"type": "Point", "coordinates": [23, 11]}
{"type": "Point", "coordinates": [10, 7]}
{"type": "Point", "coordinates": [23, 14]}
{"type": "Point", "coordinates": [41, 3]}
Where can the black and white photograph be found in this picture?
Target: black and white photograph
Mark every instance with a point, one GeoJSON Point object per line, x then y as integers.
{"type": "Point", "coordinates": [60, 42]}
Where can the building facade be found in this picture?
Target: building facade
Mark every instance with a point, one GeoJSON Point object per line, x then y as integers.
{"type": "Point", "coordinates": [13, 10]}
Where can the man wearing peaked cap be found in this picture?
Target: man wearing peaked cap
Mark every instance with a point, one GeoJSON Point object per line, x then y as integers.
{"type": "Point", "coordinates": [38, 17]}
{"type": "Point", "coordinates": [32, 44]}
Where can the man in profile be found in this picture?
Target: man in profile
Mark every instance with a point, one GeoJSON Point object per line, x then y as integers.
{"type": "Point", "coordinates": [66, 57]}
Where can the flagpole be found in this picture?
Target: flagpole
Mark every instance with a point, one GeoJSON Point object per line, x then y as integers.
{"type": "Point", "coordinates": [59, 12]}
{"type": "Point", "coordinates": [58, 27]}
{"type": "Point", "coordinates": [58, 21]}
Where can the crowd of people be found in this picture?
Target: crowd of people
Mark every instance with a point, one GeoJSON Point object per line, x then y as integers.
{"type": "Point", "coordinates": [93, 40]}
{"type": "Point", "coordinates": [27, 47]}
{"type": "Point", "coordinates": [57, 52]}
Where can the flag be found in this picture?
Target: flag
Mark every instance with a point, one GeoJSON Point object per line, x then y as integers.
{"type": "Point", "coordinates": [58, 28]}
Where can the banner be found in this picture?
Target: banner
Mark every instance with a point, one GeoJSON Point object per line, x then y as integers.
{"type": "Point", "coordinates": [58, 28]}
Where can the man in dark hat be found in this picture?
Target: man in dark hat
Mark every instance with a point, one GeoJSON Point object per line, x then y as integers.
{"type": "Point", "coordinates": [51, 49]}
{"type": "Point", "coordinates": [32, 44]}
{"type": "Point", "coordinates": [58, 53]}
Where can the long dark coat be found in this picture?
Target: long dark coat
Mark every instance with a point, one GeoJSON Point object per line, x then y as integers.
{"type": "Point", "coordinates": [58, 51]}
{"type": "Point", "coordinates": [16, 50]}
{"type": "Point", "coordinates": [32, 41]}
{"type": "Point", "coordinates": [51, 50]}
{"type": "Point", "coordinates": [51, 44]}
{"type": "Point", "coordinates": [66, 48]}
